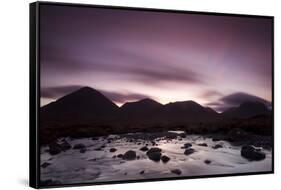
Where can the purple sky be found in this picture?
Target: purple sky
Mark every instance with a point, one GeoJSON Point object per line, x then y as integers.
{"type": "Point", "coordinates": [129, 55]}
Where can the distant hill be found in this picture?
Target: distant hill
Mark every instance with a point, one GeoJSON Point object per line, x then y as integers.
{"type": "Point", "coordinates": [186, 111]}
{"type": "Point", "coordinates": [139, 108]}
{"type": "Point", "coordinates": [81, 106]}
{"type": "Point", "coordinates": [246, 110]}
{"type": "Point", "coordinates": [89, 106]}
{"type": "Point", "coordinates": [238, 98]}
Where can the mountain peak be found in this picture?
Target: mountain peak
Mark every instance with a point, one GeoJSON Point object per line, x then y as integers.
{"type": "Point", "coordinates": [86, 90]}
{"type": "Point", "coordinates": [148, 101]}
{"type": "Point", "coordinates": [84, 104]}
{"type": "Point", "coordinates": [239, 98]}
{"type": "Point", "coordinates": [247, 109]}
{"type": "Point", "coordinates": [139, 107]}
{"type": "Point", "coordinates": [185, 104]}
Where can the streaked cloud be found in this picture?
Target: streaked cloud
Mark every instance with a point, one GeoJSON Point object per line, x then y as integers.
{"type": "Point", "coordinates": [58, 91]}
{"type": "Point", "coordinates": [136, 68]}
{"type": "Point", "coordinates": [234, 100]}
{"type": "Point", "coordinates": [121, 98]}
{"type": "Point", "coordinates": [169, 57]}
{"type": "Point", "coordinates": [211, 94]}
{"type": "Point", "coordinates": [117, 97]}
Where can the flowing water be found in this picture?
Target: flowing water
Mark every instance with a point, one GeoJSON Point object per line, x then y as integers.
{"type": "Point", "coordinates": [72, 166]}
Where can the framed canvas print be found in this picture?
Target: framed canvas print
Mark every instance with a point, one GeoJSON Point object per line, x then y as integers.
{"type": "Point", "coordinates": [121, 94]}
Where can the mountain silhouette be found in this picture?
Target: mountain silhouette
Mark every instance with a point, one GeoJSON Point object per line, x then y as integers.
{"type": "Point", "coordinates": [238, 98]}
{"type": "Point", "coordinates": [87, 113]}
{"type": "Point", "coordinates": [89, 106]}
{"type": "Point", "coordinates": [83, 105]}
{"type": "Point", "coordinates": [139, 108]}
{"type": "Point", "coordinates": [247, 109]}
{"type": "Point", "coordinates": [186, 111]}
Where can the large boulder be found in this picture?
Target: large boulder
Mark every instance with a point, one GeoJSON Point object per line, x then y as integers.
{"type": "Point", "coordinates": [189, 151]}
{"type": "Point", "coordinates": [144, 148]}
{"type": "Point", "coordinates": [54, 148]}
{"type": "Point", "coordinates": [154, 154]}
{"type": "Point", "coordinates": [207, 161]}
{"type": "Point", "coordinates": [217, 146]}
{"type": "Point", "coordinates": [81, 147]}
{"type": "Point", "coordinates": [65, 146]}
{"type": "Point", "coordinates": [203, 144]}
{"type": "Point", "coordinates": [165, 159]}
{"type": "Point", "coordinates": [176, 171]}
{"type": "Point", "coordinates": [130, 155]}
{"type": "Point", "coordinates": [83, 150]}
{"type": "Point", "coordinates": [112, 150]}
{"type": "Point", "coordinates": [251, 153]}
{"type": "Point", "coordinates": [154, 150]}
{"type": "Point", "coordinates": [215, 139]}
{"type": "Point", "coordinates": [187, 145]}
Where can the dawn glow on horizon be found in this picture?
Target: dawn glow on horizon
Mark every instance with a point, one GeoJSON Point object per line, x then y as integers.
{"type": "Point", "coordinates": [129, 55]}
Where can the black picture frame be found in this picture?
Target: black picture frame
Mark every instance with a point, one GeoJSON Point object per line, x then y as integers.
{"type": "Point", "coordinates": [34, 98]}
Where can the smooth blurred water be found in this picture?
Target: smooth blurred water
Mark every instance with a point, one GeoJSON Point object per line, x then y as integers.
{"type": "Point", "coordinates": [74, 167]}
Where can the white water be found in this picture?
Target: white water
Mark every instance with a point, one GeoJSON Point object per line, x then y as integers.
{"type": "Point", "coordinates": [72, 166]}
